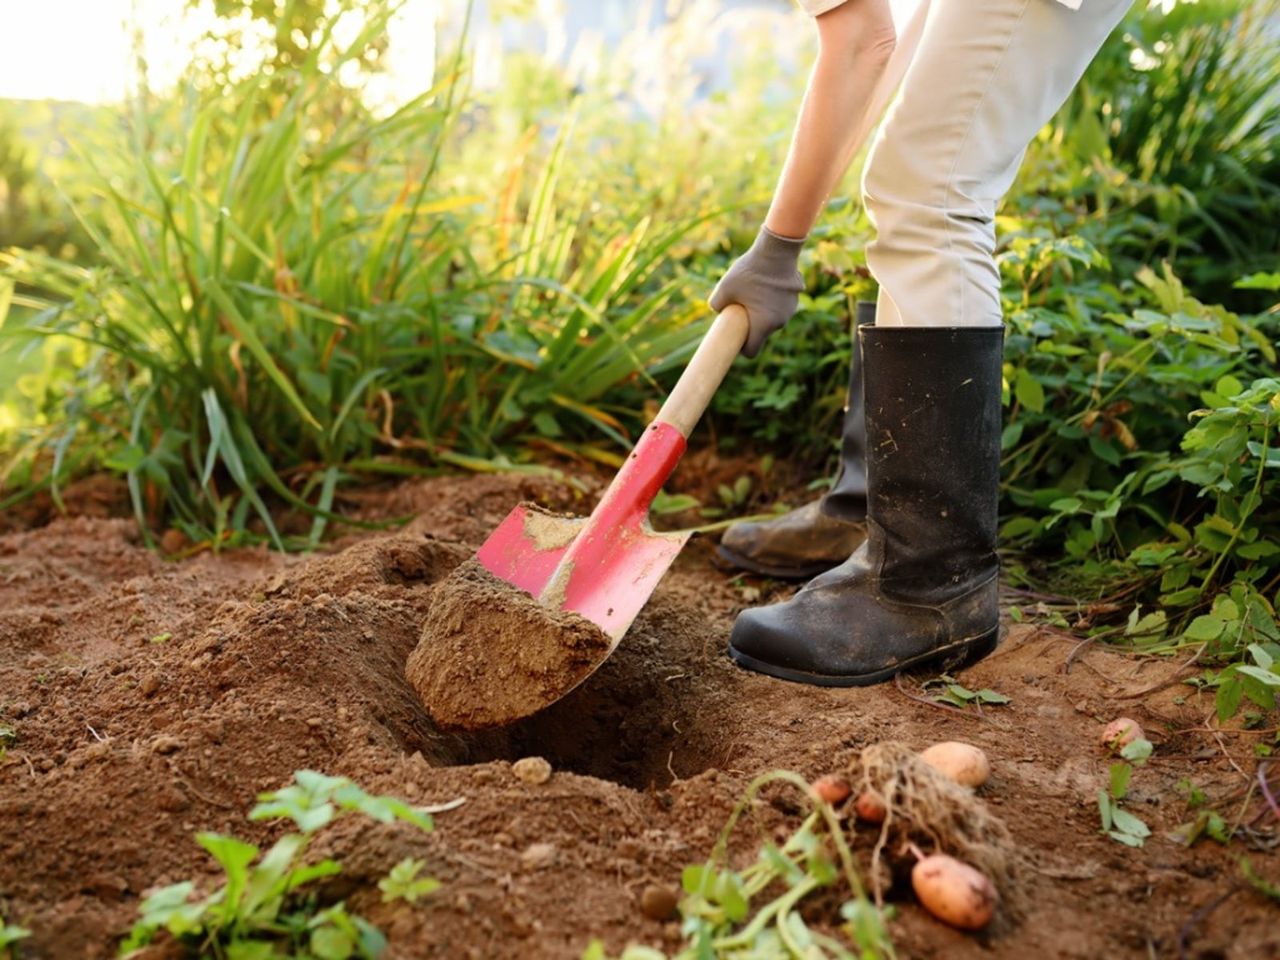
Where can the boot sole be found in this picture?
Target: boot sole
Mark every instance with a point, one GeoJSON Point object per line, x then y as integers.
{"type": "Point", "coordinates": [730, 559]}
{"type": "Point", "coordinates": [953, 656]}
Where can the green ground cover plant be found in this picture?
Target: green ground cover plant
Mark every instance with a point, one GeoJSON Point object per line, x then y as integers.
{"type": "Point", "coordinates": [755, 911]}
{"type": "Point", "coordinates": [267, 905]}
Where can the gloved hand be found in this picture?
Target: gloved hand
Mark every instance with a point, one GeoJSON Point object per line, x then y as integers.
{"type": "Point", "coordinates": [766, 282]}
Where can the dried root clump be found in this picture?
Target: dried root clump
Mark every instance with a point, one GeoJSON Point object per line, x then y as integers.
{"type": "Point", "coordinates": [925, 807]}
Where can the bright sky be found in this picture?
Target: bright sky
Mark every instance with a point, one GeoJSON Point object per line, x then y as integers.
{"type": "Point", "coordinates": [82, 49]}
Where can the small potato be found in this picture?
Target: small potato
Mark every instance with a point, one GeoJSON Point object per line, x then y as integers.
{"type": "Point", "coordinates": [962, 762]}
{"type": "Point", "coordinates": [832, 788]}
{"type": "Point", "coordinates": [1121, 732]}
{"type": "Point", "coordinates": [869, 807]}
{"type": "Point", "coordinates": [954, 892]}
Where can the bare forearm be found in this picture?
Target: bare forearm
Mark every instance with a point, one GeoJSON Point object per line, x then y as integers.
{"type": "Point", "coordinates": [857, 70]}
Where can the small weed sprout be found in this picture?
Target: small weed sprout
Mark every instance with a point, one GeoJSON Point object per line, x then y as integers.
{"type": "Point", "coordinates": [403, 882]}
{"type": "Point", "coordinates": [948, 691]}
{"type": "Point", "coordinates": [266, 899]}
{"type": "Point", "coordinates": [1118, 823]}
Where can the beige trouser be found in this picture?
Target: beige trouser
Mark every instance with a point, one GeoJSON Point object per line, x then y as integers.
{"type": "Point", "coordinates": [986, 76]}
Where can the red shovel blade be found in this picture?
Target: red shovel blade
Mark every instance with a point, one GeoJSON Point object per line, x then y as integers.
{"type": "Point", "coordinates": [605, 567]}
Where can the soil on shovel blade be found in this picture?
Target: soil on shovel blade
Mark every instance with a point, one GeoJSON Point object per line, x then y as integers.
{"type": "Point", "coordinates": [491, 653]}
{"type": "Point", "coordinates": [145, 699]}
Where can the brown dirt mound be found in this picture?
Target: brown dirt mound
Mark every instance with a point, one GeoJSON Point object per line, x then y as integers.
{"type": "Point", "coordinates": [491, 654]}
{"type": "Point", "coordinates": [153, 699]}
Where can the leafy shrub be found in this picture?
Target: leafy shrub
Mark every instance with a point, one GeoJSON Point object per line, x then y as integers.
{"type": "Point", "coordinates": [1175, 133]}
{"type": "Point", "coordinates": [282, 306]}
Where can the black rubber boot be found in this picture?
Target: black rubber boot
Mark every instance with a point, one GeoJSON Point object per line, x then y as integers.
{"type": "Point", "coordinates": [923, 586]}
{"type": "Point", "coordinates": [806, 541]}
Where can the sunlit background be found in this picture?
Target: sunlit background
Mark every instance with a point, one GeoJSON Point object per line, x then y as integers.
{"type": "Point", "coordinates": [87, 50]}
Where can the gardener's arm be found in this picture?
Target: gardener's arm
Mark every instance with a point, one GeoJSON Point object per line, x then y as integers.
{"type": "Point", "coordinates": [856, 72]}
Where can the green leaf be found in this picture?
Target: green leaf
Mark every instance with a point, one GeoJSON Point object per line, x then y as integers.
{"type": "Point", "coordinates": [1227, 700]}
{"type": "Point", "coordinates": [1228, 386]}
{"type": "Point", "coordinates": [1028, 391]}
{"type": "Point", "coordinates": [1137, 750]}
{"type": "Point", "coordinates": [732, 897]}
{"type": "Point", "coordinates": [1259, 281]}
{"type": "Point", "coordinates": [1205, 628]}
{"type": "Point", "coordinates": [1126, 822]}
{"type": "Point", "coordinates": [1120, 775]}
{"type": "Point", "coordinates": [235, 856]}
{"type": "Point", "coordinates": [269, 879]}
{"type": "Point", "coordinates": [1128, 839]}
{"type": "Point", "coordinates": [1017, 527]}
{"type": "Point", "coordinates": [330, 943]}
{"type": "Point", "coordinates": [693, 877]}
{"type": "Point", "coordinates": [247, 334]}
{"type": "Point", "coordinates": [1266, 677]}
{"type": "Point", "coordinates": [11, 933]}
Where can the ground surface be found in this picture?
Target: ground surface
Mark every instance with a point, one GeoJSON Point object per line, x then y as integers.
{"type": "Point", "coordinates": [153, 698]}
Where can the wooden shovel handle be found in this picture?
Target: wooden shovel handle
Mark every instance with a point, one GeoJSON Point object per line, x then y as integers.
{"type": "Point", "coordinates": [711, 361]}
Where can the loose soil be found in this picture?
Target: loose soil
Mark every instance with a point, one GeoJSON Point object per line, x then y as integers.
{"type": "Point", "coordinates": [153, 698]}
{"type": "Point", "coordinates": [491, 654]}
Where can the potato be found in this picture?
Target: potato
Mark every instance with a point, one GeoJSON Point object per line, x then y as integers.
{"type": "Point", "coordinates": [869, 807]}
{"type": "Point", "coordinates": [1121, 732]}
{"type": "Point", "coordinates": [954, 892]}
{"type": "Point", "coordinates": [962, 762]}
{"type": "Point", "coordinates": [832, 788]}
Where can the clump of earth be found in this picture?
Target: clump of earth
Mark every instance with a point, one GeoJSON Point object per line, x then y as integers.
{"type": "Point", "coordinates": [491, 653]}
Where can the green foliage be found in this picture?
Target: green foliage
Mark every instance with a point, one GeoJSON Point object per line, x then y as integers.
{"type": "Point", "coordinates": [32, 215]}
{"type": "Point", "coordinates": [403, 882]}
{"type": "Point", "coordinates": [1117, 822]}
{"type": "Point", "coordinates": [754, 912]}
{"type": "Point", "coordinates": [950, 692]}
{"type": "Point", "coordinates": [10, 934]}
{"type": "Point", "coordinates": [1173, 134]}
{"type": "Point", "coordinates": [267, 901]}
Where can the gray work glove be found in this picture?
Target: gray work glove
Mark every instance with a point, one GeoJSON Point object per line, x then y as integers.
{"type": "Point", "coordinates": [766, 282]}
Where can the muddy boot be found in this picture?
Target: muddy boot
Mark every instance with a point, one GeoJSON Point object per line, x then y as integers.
{"type": "Point", "coordinates": [808, 540]}
{"type": "Point", "coordinates": [923, 586]}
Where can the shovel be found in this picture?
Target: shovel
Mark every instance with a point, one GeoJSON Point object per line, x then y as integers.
{"type": "Point", "coordinates": [605, 567]}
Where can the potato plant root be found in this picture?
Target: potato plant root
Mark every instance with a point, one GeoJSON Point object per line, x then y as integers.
{"type": "Point", "coordinates": [926, 807]}
{"type": "Point", "coordinates": [150, 699]}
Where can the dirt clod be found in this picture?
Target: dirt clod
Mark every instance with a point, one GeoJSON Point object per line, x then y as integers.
{"type": "Point", "coordinates": [659, 903]}
{"type": "Point", "coordinates": [532, 770]}
{"type": "Point", "coordinates": [491, 654]}
{"type": "Point", "coordinates": [166, 744]}
{"type": "Point", "coordinates": [538, 856]}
